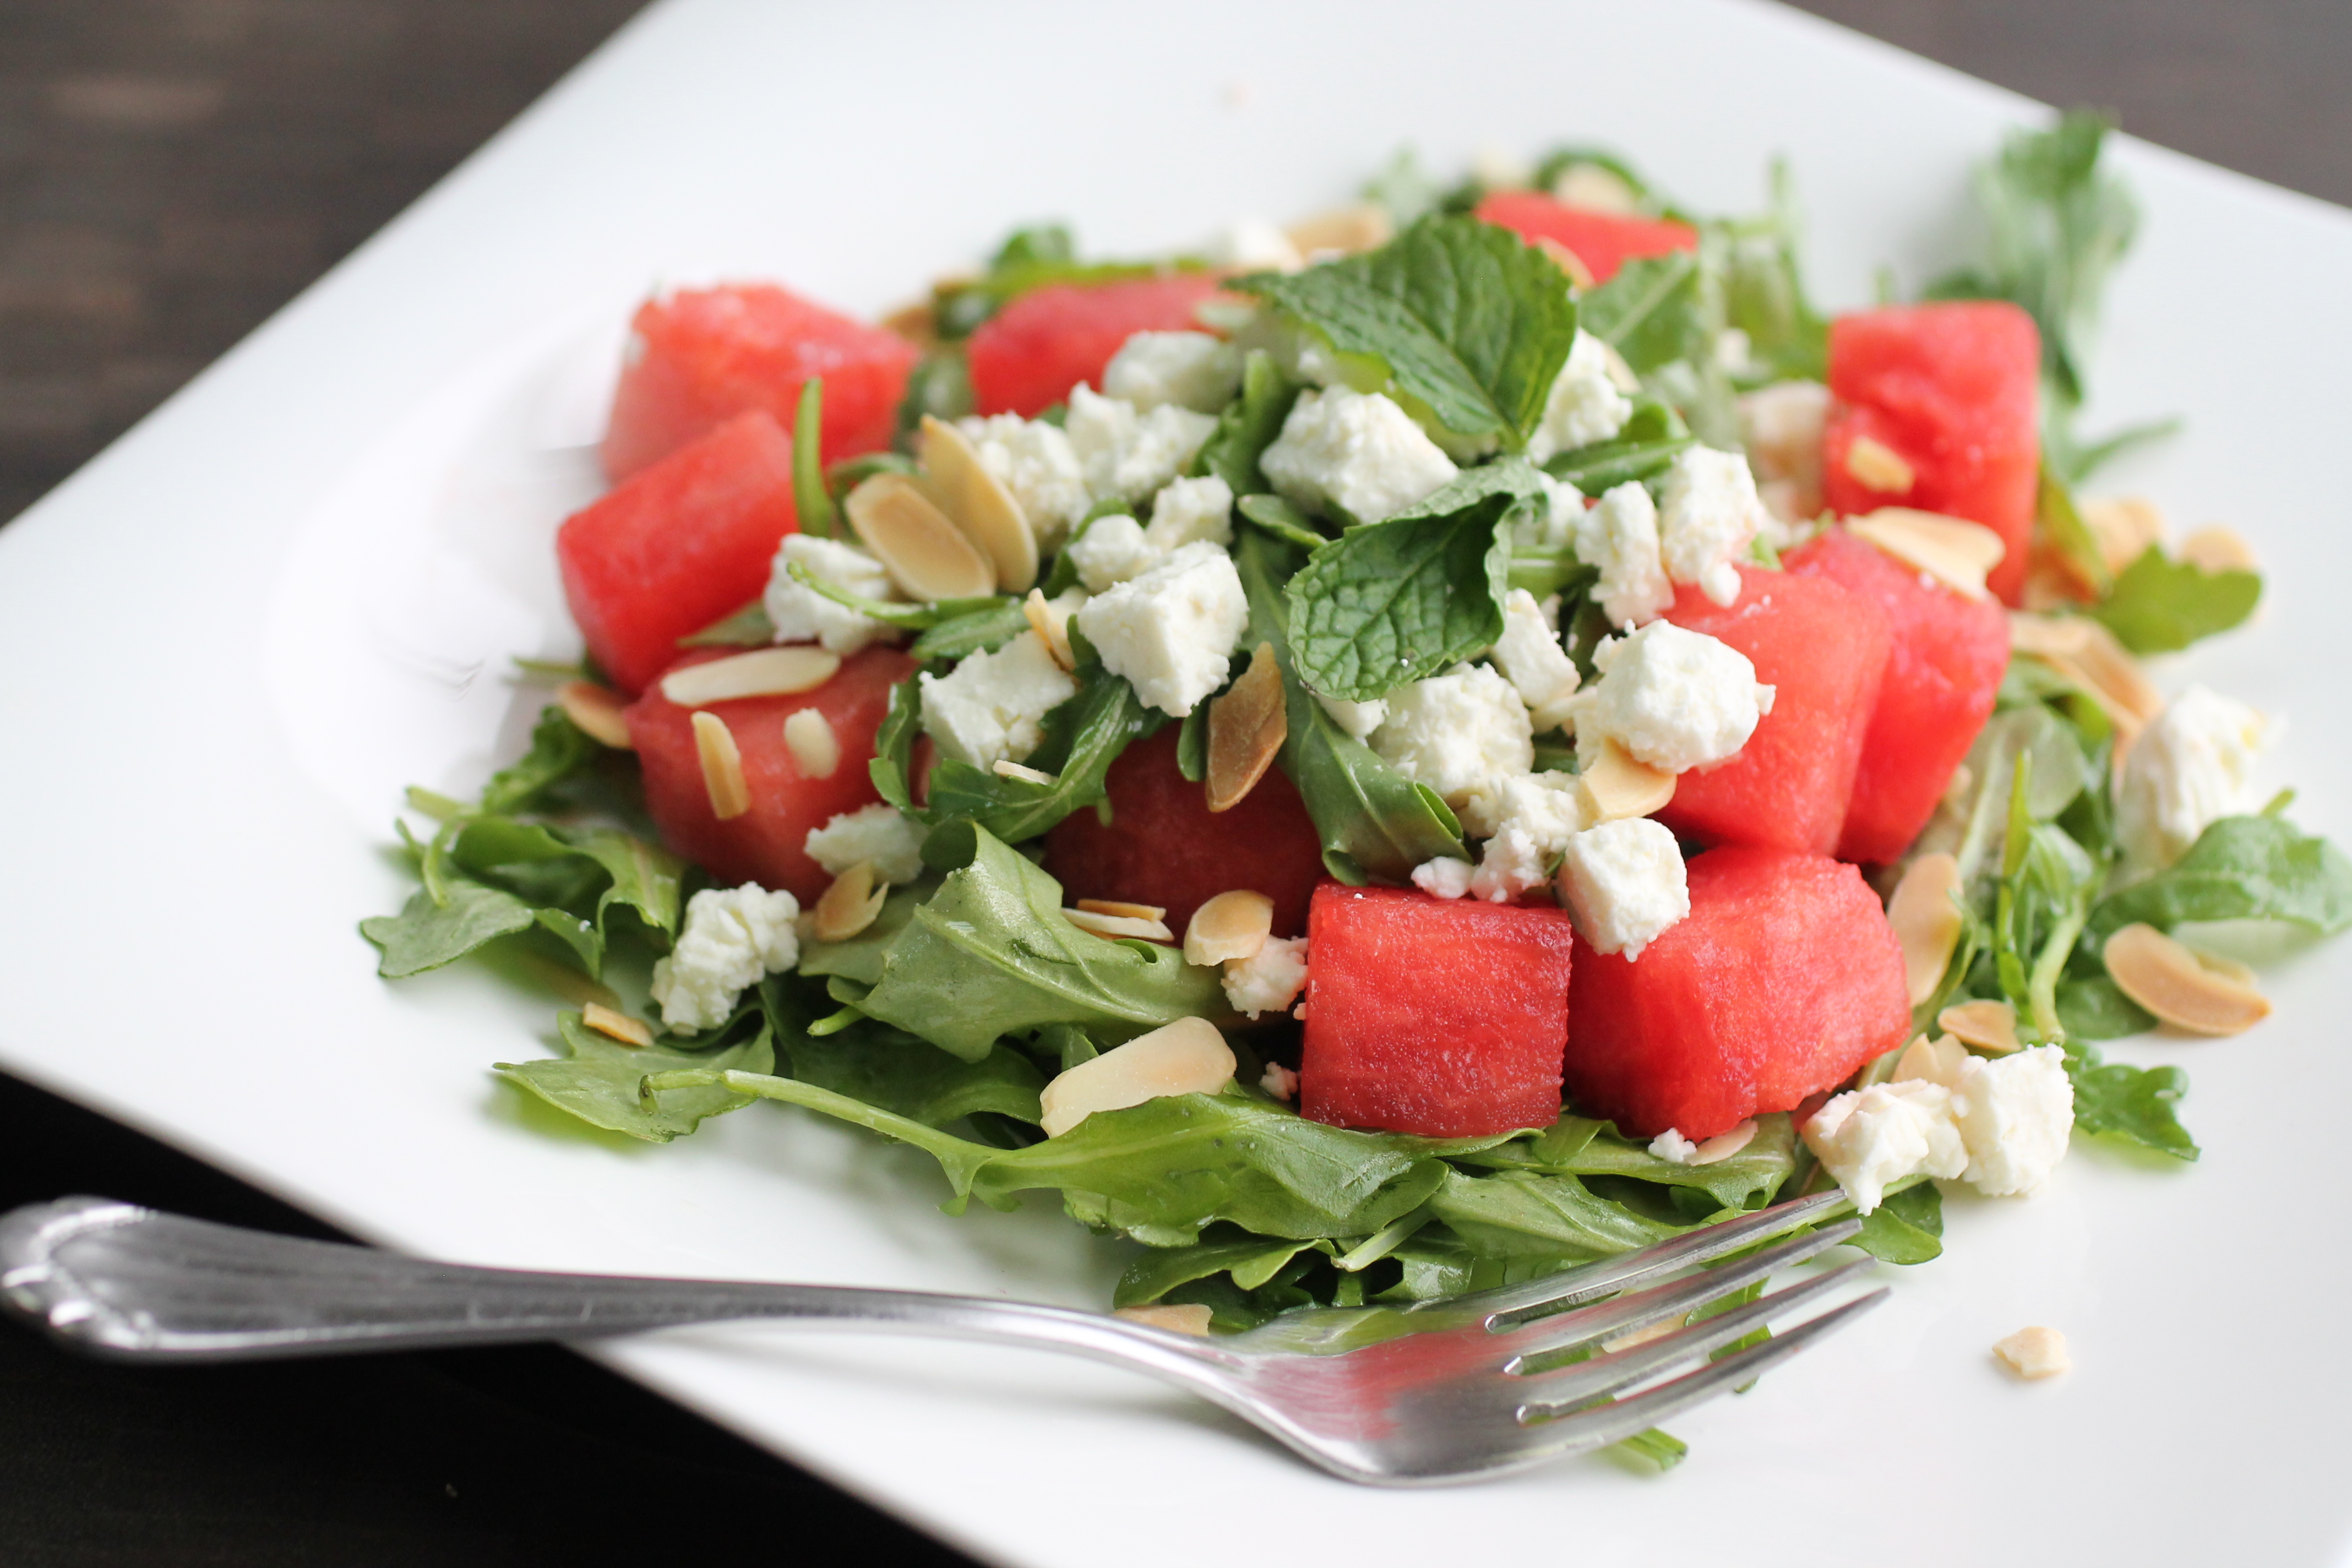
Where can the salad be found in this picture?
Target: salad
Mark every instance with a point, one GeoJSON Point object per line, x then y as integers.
{"type": "Point", "coordinates": [1396, 755]}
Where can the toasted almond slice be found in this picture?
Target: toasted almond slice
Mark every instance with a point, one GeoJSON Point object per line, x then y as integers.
{"type": "Point", "coordinates": [1184, 1320]}
{"type": "Point", "coordinates": [977, 501]}
{"type": "Point", "coordinates": [1927, 921]}
{"type": "Point", "coordinates": [2116, 676]}
{"type": "Point", "coordinates": [1642, 1335]}
{"type": "Point", "coordinates": [1875, 466]}
{"type": "Point", "coordinates": [919, 324]}
{"type": "Point", "coordinates": [616, 1025]}
{"type": "Point", "coordinates": [1247, 727]}
{"type": "Point", "coordinates": [2186, 988]}
{"type": "Point", "coordinates": [722, 767]}
{"type": "Point", "coordinates": [1231, 925]}
{"type": "Point", "coordinates": [596, 710]}
{"type": "Point", "coordinates": [2218, 549]}
{"type": "Point", "coordinates": [2047, 635]}
{"type": "Point", "coordinates": [762, 672]}
{"type": "Point", "coordinates": [816, 749]}
{"type": "Point", "coordinates": [1187, 1057]}
{"type": "Point", "coordinates": [2123, 527]}
{"type": "Point", "coordinates": [925, 553]}
{"type": "Point", "coordinates": [2088, 654]}
{"type": "Point", "coordinates": [1122, 908]}
{"type": "Point", "coordinates": [1004, 768]}
{"type": "Point", "coordinates": [850, 904]}
{"type": "Point", "coordinates": [1567, 260]}
{"type": "Point", "coordinates": [1618, 785]}
{"type": "Point", "coordinates": [1051, 624]}
{"type": "Point", "coordinates": [1345, 230]}
{"type": "Point", "coordinates": [1987, 1026]}
{"type": "Point", "coordinates": [1939, 1060]}
{"type": "Point", "coordinates": [1120, 928]}
{"type": "Point", "coordinates": [1724, 1145]}
{"type": "Point", "coordinates": [1956, 553]}
{"type": "Point", "coordinates": [2035, 1352]}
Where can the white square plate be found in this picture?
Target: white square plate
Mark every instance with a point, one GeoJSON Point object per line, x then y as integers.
{"type": "Point", "coordinates": [227, 643]}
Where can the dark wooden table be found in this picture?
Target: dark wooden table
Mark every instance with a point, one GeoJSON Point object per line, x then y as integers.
{"type": "Point", "coordinates": [172, 172]}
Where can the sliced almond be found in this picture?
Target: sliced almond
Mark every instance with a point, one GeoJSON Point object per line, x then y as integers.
{"type": "Point", "coordinates": [1632, 1338]}
{"type": "Point", "coordinates": [1229, 926]}
{"type": "Point", "coordinates": [1618, 785]}
{"type": "Point", "coordinates": [977, 501]}
{"type": "Point", "coordinates": [1939, 1060]}
{"type": "Point", "coordinates": [1927, 921]}
{"type": "Point", "coordinates": [919, 324]}
{"type": "Point", "coordinates": [1006, 769]}
{"type": "Point", "coordinates": [1567, 260]}
{"type": "Point", "coordinates": [926, 554]}
{"type": "Point", "coordinates": [2047, 636]}
{"type": "Point", "coordinates": [2088, 654]}
{"type": "Point", "coordinates": [816, 749]}
{"type": "Point", "coordinates": [2035, 1352]}
{"type": "Point", "coordinates": [1956, 553]}
{"type": "Point", "coordinates": [850, 905]}
{"type": "Point", "coordinates": [2218, 549]}
{"type": "Point", "coordinates": [722, 767]}
{"type": "Point", "coordinates": [1344, 230]}
{"type": "Point", "coordinates": [2188, 989]}
{"type": "Point", "coordinates": [1875, 466]}
{"type": "Point", "coordinates": [1187, 1057]}
{"type": "Point", "coordinates": [1051, 624]}
{"type": "Point", "coordinates": [1724, 1145]}
{"type": "Point", "coordinates": [1122, 908]}
{"type": "Point", "coordinates": [1987, 1026]}
{"type": "Point", "coordinates": [762, 672]}
{"type": "Point", "coordinates": [1185, 1320]}
{"type": "Point", "coordinates": [2122, 528]}
{"type": "Point", "coordinates": [616, 1025]}
{"type": "Point", "coordinates": [596, 710]}
{"type": "Point", "coordinates": [1120, 928]}
{"type": "Point", "coordinates": [1247, 727]}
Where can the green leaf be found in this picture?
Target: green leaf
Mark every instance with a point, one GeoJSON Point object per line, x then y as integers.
{"type": "Point", "coordinates": [895, 613]}
{"type": "Point", "coordinates": [894, 747]}
{"type": "Point", "coordinates": [1248, 426]}
{"type": "Point", "coordinates": [983, 627]}
{"type": "Point", "coordinates": [2160, 605]}
{"type": "Point", "coordinates": [861, 958]}
{"type": "Point", "coordinates": [1650, 311]}
{"type": "Point", "coordinates": [2062, 524]}
{"type": "Point", "coordinates": [1907, 1227]}
{"type": "Point", "coordinates": [426, 935]}
{"type": "Point", "coordinates": [2096, 1009]}
{"type": "Point", "coordinates": [2241, 868]}
{"type": "Point", "coordinates": [558, 749]}
{"type": "Point", "coordinates": [810, 500]}
{"type": "Point", "coordinates": [1519, 1214]}
{"type": "Point", "coordinates": [746, 627]}
{"type": "Point", "coordinates": [1469, 322]}
{"type": "Point", "coordinates": [909, 1077]}
{"type": "Point", "coordinates": [1250, 1261]}
{"type": "Point", "coordinates": [1581, 1146]}
{"type": "Point", "coordinates": [597, 1080]}
{"type": "Point", "coordinates": [2135, 1104]}
{"type": "Point", "coordinates": [1082, 738]}
{"type": "Point", "coordinates": [1285, 521]}
{"type": "Point", "coordinates": [645, 876]}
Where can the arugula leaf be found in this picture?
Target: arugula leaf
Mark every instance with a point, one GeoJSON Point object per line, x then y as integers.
{"type": "Point", "coordinates": [894, 747]}
{"type": "Point", "coordinates": [427, 934]}
{"type": "Point", "coordinates": [597, 1080]}
{"type": "Point", "coordinates": [1581, 1146]}
{"type": "Point", "coordinates": [987, 627]}
{"type": "Point", "coordinates": [1645, 448]}
{"type": "Point", "coordinates": [2241, 868]}
{"type": "Point", "coordinates": [1029, 259]}
{"type": "Point", "coordinates": [1248, 426]}
{"type": "Point", "coordinates": [2094, 1008]}
{"type": "Point", "coordinates": [1282, 520]}
{"type": "Point", "coordinates": [746, 627]}
{"type": "Point", "coordinates": [1519, 1214]}
{"type": "Point", "coordinates": [1649, 312]}
{"type": "Point", "coordinates": [1764, 290]}
{"type": "Point", "coordinates": [912, 617]}
{"type": "Point", "coordinates": [1250, 1261]}
{"type": "Point", "coordinates": [2135, 1104]}
{"type": "Point", "coordinates": [1906, 1227]}
{"type": "Point", "coordinates": [1471, 322]}
{"type": "Point", "coordinates": [2047, 884]}
{"type": "Point", "coordinates": [861, 958]}
{"type": "Point", "coordinates": [558, 749]}
{"type": "Point", "coordinates": [1400, 600]}
{"type": "Point", "coordinates": [2161, 606]}
{"type": "Point", "coordinates": [908, 1076]}
{"type": "Point", "coordinates": [1082, 738]}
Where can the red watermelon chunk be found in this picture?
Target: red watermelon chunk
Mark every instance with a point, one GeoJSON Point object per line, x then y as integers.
{"type": "Point", "coordinates": [1943, 672]}
{"type": "Point", "coordinates": [1438, 1016]}
{"type": "Point", "coordinates": [1164, 846]}
{"type": "Point", "coordinates": [1602, 241]}
{"type": "Point", "coordinates": [1954, 390]}
{"type": "Point", "coordinates": [699, 357]}
{"type": "Point", "coordinates": [765, 844]}
{"type": "Point", "coordinates": [1782, 981]}
{"type": "Point", "coordinates": [687, 542]}
{"type": "Point", "coordinates": [1028, 357]}
{"type": "Point", "coordinates": [1824, 649]}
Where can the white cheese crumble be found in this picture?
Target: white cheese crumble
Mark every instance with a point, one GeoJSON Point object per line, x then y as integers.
{"type": "Point", "coordinates": [1170, 631]}
{"type": "Point", "coordinates": [1444, 878]}
{"type": "Point", "coordinates": [1673, 698]}
{"type": "Point", "coordinates": [1531, 659]}
{"type": "Point", "coordinates": [1035, 462]}
{"type": "Point", "coordinates": [1870, 1139]}
{"type": "Point", "coordinates": [1540, 813]}
{"type": "Point", "coordinates": [1268, 980]}
{"type": "Point", "coordinates": [1116, 548]}
{"type": "Point", "coordinates": [1254, 245]}
{"type": "Point", "coordinates": [1624, 884]}
{"type": "Point", "coordinates": [878, 832]}
{"type": "Point", "coordinates": [1460, 733]}
{"type": "Point", "coordinates": [733, 937]}
{"type": "Point", "coordinates": [1279, 1081]}
{"type": "Point", "coordinates": [1672, 1148]}
{"type": "Point", "coordinates": [1584, 405]}
{"type": "Point", "coordinates": [1356, 451]}
{"type": "Point", "coordinates": [1553, 525]}
{"type": "Point", "coordinates": [1782, 427]}
{"type": "Point", "coordinates": [1619, 536]}
{"type": "Point", "coordinates": [1110, 551]}
{"type": "Point", "coordinates": [989, 708]}
{"type": "Point", "coordinates": [1708, 512]}
{"type": "Point", "coordinates": [1359, 719]}
{"type": "Point", "coordinates": [800, 613]}
{"type": "Point", "coordinates": [2192, 766]}
{"type": "Point", "coordinates": [2015, 1113]}
{"type": "Point", "coordinates": [1189, 370]}
{"type": "Point", "coordinates": [1126, 453]}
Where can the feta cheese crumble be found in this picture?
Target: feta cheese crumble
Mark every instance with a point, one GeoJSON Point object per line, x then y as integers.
{"type": "Point", "coordinates": [1188, 370]}
{"type": "Point", "coordinates": [1673, 698]}
{"type": "Point", "coordinates": [1109, 551]}
{"type": "Point", "coordinates": [1552, 526]}
{"type": "Point", "coordinates": [1116, 548]}
{"type": "Point", "coordinates": [1170, 631]}
{"type": "Point", "coordinates": [1460, 733]}
{"type": "Point", "coordinates": [800, 613]}
{"type": "Point", "coordinates": [1357, 451]}
{"type": "Point", "coordinates": [1125, 453]}
{"type": "Point", "coordinates": [1584, 405]}
{"type": "Point", "coordinates": [1708, 512]}
{"type": "Point", "coordinates": [2192, 767]}
{"type": "Point", "coordinates": [878, 832]}
{"type": "Point", "coordinates": [1268, 980]}
{"type": "Point", "coordinates": [1870, 1139]}
{"type": "Point", "coordinates": [1782, 427]}
{"type": "Point", "coordinates": [1036, 463]}
{"type": "Point", "coordinates": [2015, 1114]}
{"type": "Point", "coordinates": [989, 708]}
{"type": "Point", "coordinates": [733, 937]}
{"type": "Point", "coordinates": [1672, 1148]}
{"type": "Point", "coordinates": [1540, 813]}
{"type": "Point", "coordinates": [1444, 878]}
{"type": "Point", "coordinates": [1531, 659]}
{"type": "Point", "coordinates": [1358, 719]}
{"type": "Point", "coordinates": [2002, 1125]}
{"type": "Point", "coordinates": [1624, 884]}
{"type": "Point", "coordinates": [1619, 537]}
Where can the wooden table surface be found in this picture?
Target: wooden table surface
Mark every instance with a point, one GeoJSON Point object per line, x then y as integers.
{"type": "Point", "coordinates": [170, 173]}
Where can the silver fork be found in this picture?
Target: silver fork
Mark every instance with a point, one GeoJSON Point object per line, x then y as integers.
{"type": "Point", "coordinates": [1451, 1390]}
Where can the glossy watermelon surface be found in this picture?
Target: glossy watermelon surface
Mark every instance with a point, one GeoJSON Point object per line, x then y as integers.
{"type": "Point", "coordinates": [699, 357]}
{"type": "Point", "coordinates": [1954, 390]}
{"type": "Point", "coordinates": [1164, 845]}
{"type": "Point", "coordinates": [684, 543]}
{"type": "Point", "coordinates": [1784, 979]}
{"type": "Point", "coordinates": [1942, 671]}
{"type": "Point", "coordinates": [1822, 648]}
{"type": "Point", "coordinates": [765, 844]}
{"type": "Point", "coordinates": [1028, 357]}
{"type": "Point", "coordinates": [1602, 241]}
{"type": "Point", "coordinates": [1439, 1016]}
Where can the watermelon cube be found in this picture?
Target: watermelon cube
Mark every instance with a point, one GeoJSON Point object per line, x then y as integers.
{"type": "Point", "coordinates": [1028, 357]}
{"type": "Point", "coordinates": [1782, 981]}
{"type": "Point", "coordinates": [765, 845]}
{"type": "Point", "coordinates": [1942, 671]}
{"type": "Point", "coordinates": [1822, 647]}
{"type": "Point", "coordinates": [1602, 241]}
{"type": "Point", "coordinates": [1954, 390]}
{"type": "Point", "coordinates": [699, 357]}
{"type": "Point", "coordinates": [687, 542]}
{"type": "Point", "coordinates": [1439, 1016]}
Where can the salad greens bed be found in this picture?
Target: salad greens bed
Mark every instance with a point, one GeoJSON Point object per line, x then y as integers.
{"type": "Point", "coordinates": [940, 1025]}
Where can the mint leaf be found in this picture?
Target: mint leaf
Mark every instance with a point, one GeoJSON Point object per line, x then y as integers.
{"type": "Point", "coordinates": [2241, 868]}
{"type": "Point", "coordinates": [1469, 322]}
{"type": "Point", "coordinates": [2135, 1104]}
{"type": "Point", "coordinates": [597, 1078]}
{"type": "Point", "coordinates": [2160, 605]}
{"type": "Point", "coordinates": [1651, 312]}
